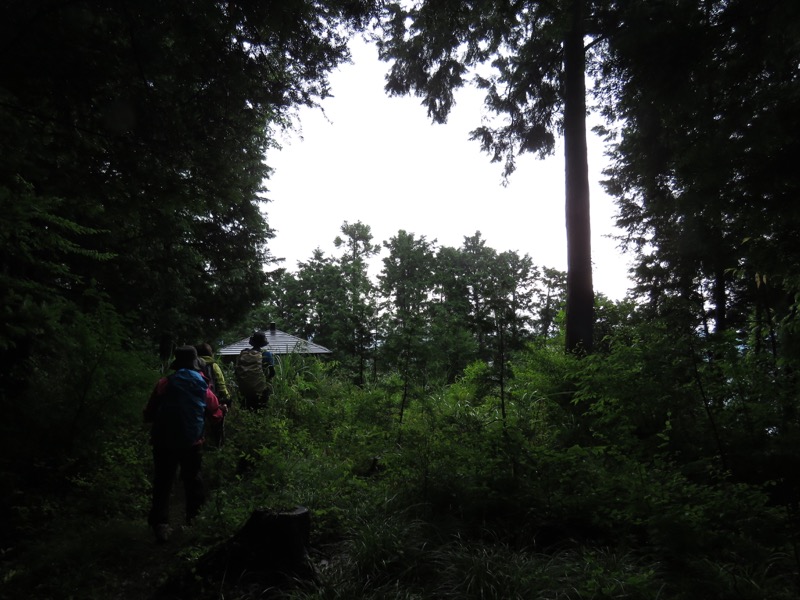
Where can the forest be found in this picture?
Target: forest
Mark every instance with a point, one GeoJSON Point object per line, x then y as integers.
{"type": "Point", "coordinates": [485, 426]}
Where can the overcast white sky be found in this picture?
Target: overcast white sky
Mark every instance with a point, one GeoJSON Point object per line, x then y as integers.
{"type": "Point", "coordinates": [380, 160]}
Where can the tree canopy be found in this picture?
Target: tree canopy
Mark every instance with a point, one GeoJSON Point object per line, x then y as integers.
{"type": "Point", "coordinates": [135, 138]}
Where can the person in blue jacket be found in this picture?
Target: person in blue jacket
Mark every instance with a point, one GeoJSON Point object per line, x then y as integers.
{"type": "Point", "coordinates": [178, 408]}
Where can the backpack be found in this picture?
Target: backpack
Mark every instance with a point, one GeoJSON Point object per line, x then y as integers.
{"type": "Point", "coordinates": [250, 373]}
{"type": "Point", "coordinates": [207, 369]}
{"type": "Point", "coordinates": [180, 419]}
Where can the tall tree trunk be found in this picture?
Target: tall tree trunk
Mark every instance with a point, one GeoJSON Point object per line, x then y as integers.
{"type": "Point", "coordinates": [720, 299]}
{"type": "Point", "coordinates": [580, 292]}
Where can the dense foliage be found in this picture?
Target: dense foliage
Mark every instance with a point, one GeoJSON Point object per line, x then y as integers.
{"type": "Point", "coordinates": [427, 313]}
{"type": "Point", "coordinates": [592, 479]}
{"type": "Point", "coordinates": [449, 448]}
{"type": "Point", "coordinates": [133, 166]}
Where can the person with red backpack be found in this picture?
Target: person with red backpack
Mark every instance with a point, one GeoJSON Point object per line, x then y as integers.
{"type": "Point", "coordinates": [178, 408]}
{"type": "Point", "coordinates": [216, 381]}
{"type": "Point", "coordinates": [213, 372]}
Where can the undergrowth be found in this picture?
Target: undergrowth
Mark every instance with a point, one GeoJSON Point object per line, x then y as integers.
{"type": "Point", "coordinates": [457, 502]}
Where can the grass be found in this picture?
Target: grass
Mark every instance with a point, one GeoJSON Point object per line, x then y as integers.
{"type": "Point", "coordinates": [436, 518]}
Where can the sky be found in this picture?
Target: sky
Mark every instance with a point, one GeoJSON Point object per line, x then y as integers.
{"type": "Point", "coordinates": [381, 161]}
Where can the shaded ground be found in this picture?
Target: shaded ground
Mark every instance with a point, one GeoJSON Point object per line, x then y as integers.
{"type": "Point", "coordinates": [96, 558]}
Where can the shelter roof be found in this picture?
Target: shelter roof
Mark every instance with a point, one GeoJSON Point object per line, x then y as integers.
{"type": "Point", "coordinates": [280, 342]}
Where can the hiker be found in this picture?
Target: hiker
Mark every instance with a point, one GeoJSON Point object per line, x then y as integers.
{"type": "Point", "coordinates": [255, 369]}
{"type": "Point", "coordinates": [214, 374]}
{"type": "Point", "coordinates": [178, 408]}
{"type": "Point", "coordinates": [216, 381]}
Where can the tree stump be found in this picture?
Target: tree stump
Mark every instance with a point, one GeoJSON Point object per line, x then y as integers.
{"type": "Point", "coordinates": [273, 541]}
{"type": "Point", "coordinates": [271, 549]}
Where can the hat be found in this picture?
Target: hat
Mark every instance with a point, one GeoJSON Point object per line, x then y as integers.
{"type": "Point", "coordinates": [185, 358]}
{"type": "Point", "coordinates": [259, 339]}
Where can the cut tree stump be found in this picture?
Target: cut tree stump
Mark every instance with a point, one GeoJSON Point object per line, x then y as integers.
{"type": "Point", "coordinates": [271, 549]}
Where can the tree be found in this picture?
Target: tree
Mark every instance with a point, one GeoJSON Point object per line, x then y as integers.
{"type": "Point", "coordinates": [406, 284]}
{"type": "Point", "coordinates": [321, 297]}
{"type": "Point", "coordinates": [706, 101]}
{"type": "Point", "coordinates": [537, 58]}
{"type": "Point", "coordinates": [707, 190]}
{"type": "Point", "coordinates": [549, 299]}
{"type": "Point", "coordinates": [452, 332]}
{"type": "Point", "coordinates": [513, 281]}
{"type": "Point", "coordinates": [359, 291]}
{"type": "Point", "coordinates": [477, 261]}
